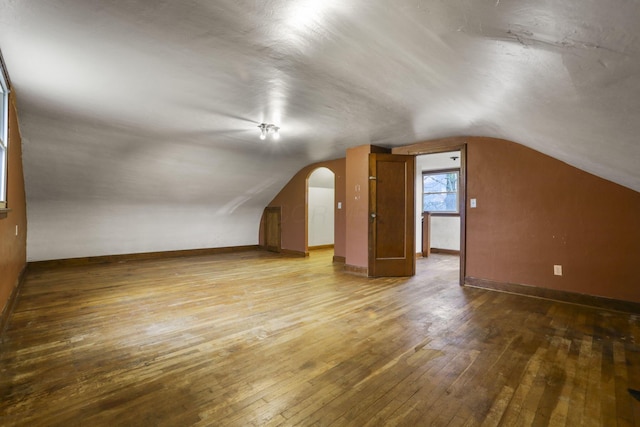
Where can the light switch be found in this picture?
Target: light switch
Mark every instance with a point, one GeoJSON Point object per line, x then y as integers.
{"type": "Point", "coordinates": [473, 203]}
{"type": "Point", "coordinates": [339, 205]}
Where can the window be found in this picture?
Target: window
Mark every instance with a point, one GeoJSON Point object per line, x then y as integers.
{"type": "Point", "coordinates": [440, 191]}
{"type": "Point", "coordinates": [4, 135]}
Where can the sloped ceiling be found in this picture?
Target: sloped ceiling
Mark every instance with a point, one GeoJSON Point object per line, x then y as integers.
{"type": "Point", "coordinates": [140, 118]}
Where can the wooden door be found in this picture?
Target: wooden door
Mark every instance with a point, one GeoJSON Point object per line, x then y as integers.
{"type": "Point", "coordinates": [391, 215]}
{"type": "Point", "coordinates": [272, 229]}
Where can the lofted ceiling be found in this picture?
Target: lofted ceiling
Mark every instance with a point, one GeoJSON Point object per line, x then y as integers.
{"type": "Point", "coordinates": [133, 112]}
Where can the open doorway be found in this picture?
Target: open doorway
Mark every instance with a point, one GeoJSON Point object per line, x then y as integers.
{"type": "Point", "coordinates": [320, 213]}
{"type": "Point", "coordinates": [440, 205]}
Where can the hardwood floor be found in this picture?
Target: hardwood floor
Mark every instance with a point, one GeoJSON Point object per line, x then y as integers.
{"type": "Point", "coordinates": [256, 339]}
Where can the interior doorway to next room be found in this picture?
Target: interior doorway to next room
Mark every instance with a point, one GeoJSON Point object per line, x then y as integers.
{"type": "Point", "coordinates": [439, 203]}
{"type": "Point", "coordinates": [320, 209]}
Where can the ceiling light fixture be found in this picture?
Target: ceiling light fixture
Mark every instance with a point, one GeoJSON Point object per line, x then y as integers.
{"type": "Point", "coordinates": [266, 129]}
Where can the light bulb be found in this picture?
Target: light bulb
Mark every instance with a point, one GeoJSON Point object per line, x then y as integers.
{"type": "Point", "coordinates": [276, 134]}
{"type": "Point", "coordinates": [263, 135]}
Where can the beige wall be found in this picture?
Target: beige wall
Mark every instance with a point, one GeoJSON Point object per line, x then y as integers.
{"type": "Point", "coordinates": [12, 247]}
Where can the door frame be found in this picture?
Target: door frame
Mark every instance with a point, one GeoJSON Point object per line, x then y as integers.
{"type": "Point", "coordinates": [443, 146]}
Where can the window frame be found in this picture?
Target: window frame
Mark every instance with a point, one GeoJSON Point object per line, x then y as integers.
{"type": "Point", "coordinates": [437, 172]}
{"type": "Point", "coordinates": [4, 132]}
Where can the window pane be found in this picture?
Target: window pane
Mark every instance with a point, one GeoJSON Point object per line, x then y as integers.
{"type": "Point", "coordinates": [441, 202]}
{"type": "Point", "coordinates": [3, 139]}
{"type": "Point", "coordinates": [3, 106]}
{"type": "Point", "coordinates": [440, 192]}
{"type": "Point", "coordinates": [3, 188]}
{"type": "Point", "coordinates": [441, 182]}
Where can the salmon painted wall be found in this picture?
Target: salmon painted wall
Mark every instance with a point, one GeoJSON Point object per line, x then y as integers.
{"type": "Point", "coordinates": [13, 249]}
{"type": "Point", "coordinates": [292, 199]}
{"type": "Point", "coordinates": [534, 212]}
{"type": "Point", "coordinates": [357, 193]}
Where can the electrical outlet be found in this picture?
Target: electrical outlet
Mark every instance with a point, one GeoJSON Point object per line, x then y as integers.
{"type": "Point", "coordinates": [557, 270]}
{"type": "Point", "coordinates": [473, 203]}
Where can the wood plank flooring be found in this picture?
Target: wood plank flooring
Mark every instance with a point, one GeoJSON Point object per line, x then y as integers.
{"type": "Point", "coordinates": [257, 339]}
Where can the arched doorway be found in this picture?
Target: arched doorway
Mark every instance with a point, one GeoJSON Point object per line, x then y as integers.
{"type": "Point", "coordinates": [320, 209]}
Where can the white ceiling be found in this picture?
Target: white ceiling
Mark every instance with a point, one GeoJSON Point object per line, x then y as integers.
{"type": "Point", "coordinates": [438, 161]}
{"type": "Point", "coordinates": [149, 101]}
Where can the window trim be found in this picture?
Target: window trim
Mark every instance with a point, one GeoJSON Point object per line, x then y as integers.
{"type": "Point", "coordinates": [440, 171]}
{"type": "Point", "coordinates": [5, 85]}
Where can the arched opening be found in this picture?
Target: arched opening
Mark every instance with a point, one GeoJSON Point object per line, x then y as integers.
{"type": "Point", "coordinates": [321, 209]}
{"type": "Point", "coordinates": [440, 214]}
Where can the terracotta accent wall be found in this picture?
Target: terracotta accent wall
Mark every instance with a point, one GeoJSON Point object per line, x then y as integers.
{"type": "Point", "coordinates": [357, 194]}
{"type": "Point", "coordinates": [13, 248]}
{"type": "Point", "coordinates": [292, 199]}
{"type": "Point", "coordinates": [534, 211]}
